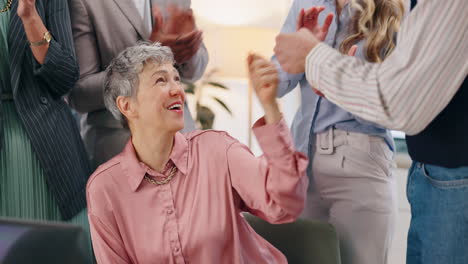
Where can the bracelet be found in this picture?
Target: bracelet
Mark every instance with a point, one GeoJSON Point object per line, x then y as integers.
{"type": "Point", "coordinates": [45, 40]}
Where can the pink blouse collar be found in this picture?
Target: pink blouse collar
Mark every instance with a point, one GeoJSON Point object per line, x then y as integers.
{"type": "Point", "coordinates": [135, 170]}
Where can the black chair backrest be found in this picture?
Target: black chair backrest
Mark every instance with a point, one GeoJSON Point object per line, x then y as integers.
{"type": "Point", "coordinates": [24, 242]}
{"type": "Point", "coordinates": [302, 242]}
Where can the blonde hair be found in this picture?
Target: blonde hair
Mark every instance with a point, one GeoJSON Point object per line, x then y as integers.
{"type": "Point", "coordinates": [377, 21]}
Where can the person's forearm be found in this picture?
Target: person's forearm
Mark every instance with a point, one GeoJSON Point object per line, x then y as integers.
{"type": "Point", "coordinates": [54, 63]}
{"type": "Point", "coordinates": [274, 185]}
{"type": "Point", "coordinates": [35, 30]}
{"type": "Point", "coordinates": [324, 71]}
{"type": "Point", "coordinates": [414, 84]}
{"type": "Point", "coordinates": [272, 113]}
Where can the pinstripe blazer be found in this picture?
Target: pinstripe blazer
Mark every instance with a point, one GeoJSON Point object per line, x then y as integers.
{"type": "Point", "coordinates": [38, 92]}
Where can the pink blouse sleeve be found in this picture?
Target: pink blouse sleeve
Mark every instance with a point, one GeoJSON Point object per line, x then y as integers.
{"type": "Point", "coordinates": [107, 245]}
{"type": "Point", "coordinates": [274, 185]}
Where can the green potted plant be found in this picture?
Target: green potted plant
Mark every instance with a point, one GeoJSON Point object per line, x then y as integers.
{"type": "Point", "coordinates": [204, 116]}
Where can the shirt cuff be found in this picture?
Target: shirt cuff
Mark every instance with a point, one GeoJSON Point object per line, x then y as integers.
{"type": "Point", "coordinates": [274, 139]}
{"type": "Point", "coordinates": [48, 65]}
{"type": "Point", "coordinates": [317, 57]}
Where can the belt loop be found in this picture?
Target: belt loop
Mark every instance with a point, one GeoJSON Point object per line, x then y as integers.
{"type": "Point", "coordinates": [327, 138]}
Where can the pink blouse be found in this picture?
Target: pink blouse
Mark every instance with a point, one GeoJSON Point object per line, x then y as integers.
{"type": "Point", "coordinates": [196, 217]}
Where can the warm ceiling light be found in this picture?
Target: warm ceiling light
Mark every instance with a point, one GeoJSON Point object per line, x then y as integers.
{"type": "Point", "coordinates": [240, 12]}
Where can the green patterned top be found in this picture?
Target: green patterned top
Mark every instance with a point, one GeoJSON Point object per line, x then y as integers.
{"type": "Point", "coordinates": [4, 61]}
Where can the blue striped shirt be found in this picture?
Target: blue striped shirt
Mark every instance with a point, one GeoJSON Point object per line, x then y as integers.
{"type": "Point", "coordinates": [316, 114]}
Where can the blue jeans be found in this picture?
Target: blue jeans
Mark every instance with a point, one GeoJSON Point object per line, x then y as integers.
{"type": "Point", "coordinates": [438, 232]}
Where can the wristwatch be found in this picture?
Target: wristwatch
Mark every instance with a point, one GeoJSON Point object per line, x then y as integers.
{"type": "Point", "coordinates": [45, 40]}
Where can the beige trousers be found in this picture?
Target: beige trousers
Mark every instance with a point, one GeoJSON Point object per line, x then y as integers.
{"type": "Point", "coordinates": [352, 187]}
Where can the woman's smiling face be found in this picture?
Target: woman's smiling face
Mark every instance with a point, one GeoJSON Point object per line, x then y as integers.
{"type": "Point", "coordinates": [160, 98]}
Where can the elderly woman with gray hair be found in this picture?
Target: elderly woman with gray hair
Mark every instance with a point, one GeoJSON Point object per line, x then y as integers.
{"type": "Point", "coordinates": [177, 198]}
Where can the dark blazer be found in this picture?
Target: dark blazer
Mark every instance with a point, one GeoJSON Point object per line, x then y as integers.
{"type": "Point", "coordinates": [38, 92]}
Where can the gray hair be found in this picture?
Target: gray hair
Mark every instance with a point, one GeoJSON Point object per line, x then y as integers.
{"type": "Point", "coordinates": [122, 73]}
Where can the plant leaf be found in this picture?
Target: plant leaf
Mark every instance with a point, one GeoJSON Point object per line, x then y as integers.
{"type": "Point", "coordinates": [190, 88]}
{"type": "Point", "coordinates": [222, 104]}
{"type": "Point", "coordinates": [219, 85]}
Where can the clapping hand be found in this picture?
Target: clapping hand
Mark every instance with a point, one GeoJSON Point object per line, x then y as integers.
{"type": "Point", "coordinates": [179, 33]}
{"type": "Point", "coordinates": [180, 21]}
{"type": "Point", "coordinates": [26, 8]}
{"type": "Point", "coordinates": [309, 19]}
{"type": "Point", "coordinates": [264, 79]}
{"type": "Point", "coordinates": [291, 49]}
